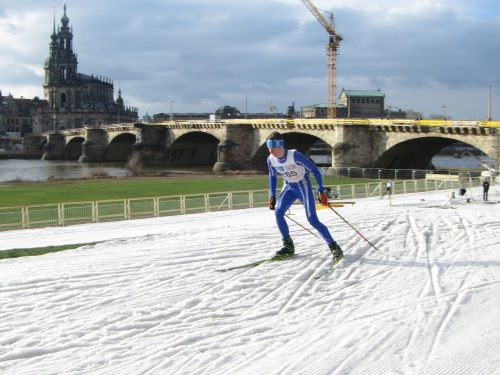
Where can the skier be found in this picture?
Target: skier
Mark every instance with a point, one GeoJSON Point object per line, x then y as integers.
{"type": "Point", "coordinates": [486, 187]}
{"type": "Point", "coordinates": [388, 189]}
{"type": "Point", "coordinates": [294, 168]}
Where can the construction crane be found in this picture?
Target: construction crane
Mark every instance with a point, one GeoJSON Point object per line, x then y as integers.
{"type": "Point", "coordinates": [331, 53]}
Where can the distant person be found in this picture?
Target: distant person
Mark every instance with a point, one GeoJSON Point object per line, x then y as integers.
{"type": "Point", "coordinates": [486, 187]}
{"type": "Point", "coordinates": [388, 189]}
{"type": "Point", "coordinates": [295, 168]}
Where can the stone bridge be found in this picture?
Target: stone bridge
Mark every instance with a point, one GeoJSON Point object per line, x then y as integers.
{"type": "Point", "coordinates": [91, 144]}
{"type": "Point", "coordinates": [240, 144]}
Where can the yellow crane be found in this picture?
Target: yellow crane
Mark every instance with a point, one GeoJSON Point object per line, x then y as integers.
{"type": "Point", "coordinates": [331, 53]}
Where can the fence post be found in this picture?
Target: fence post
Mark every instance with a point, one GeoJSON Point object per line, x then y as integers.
{"type": "Point", "coordinates": [126, 209]}
{"type": "Point", "coordinates": [60, 213]}
{"type": "Point", "coordinates": [156, 205]}
{"type": "Point", "coordinates": [24, 217]}
{"type": "Point", "coordinates": [250, 199]}
{"type": "Point", "coordinates": [183, 204]}
{"type": "Point", "coordinates": [207, 205]}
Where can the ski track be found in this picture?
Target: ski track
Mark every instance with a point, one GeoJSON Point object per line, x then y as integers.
{"type": "Point", "coordinates": [156, 304]}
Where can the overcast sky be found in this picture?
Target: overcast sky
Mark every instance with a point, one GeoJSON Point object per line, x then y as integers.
{"type": "Point", "coordinates": [198, 55]}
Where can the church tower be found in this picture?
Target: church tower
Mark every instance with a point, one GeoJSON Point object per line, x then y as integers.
{"type": "Point", "coordinates": [61, 68]}
{"type": "Point", "coordinates": [73, 99]}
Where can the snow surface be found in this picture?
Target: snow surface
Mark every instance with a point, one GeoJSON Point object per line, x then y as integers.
{"type": "Point", "coordinates": [149, 299]}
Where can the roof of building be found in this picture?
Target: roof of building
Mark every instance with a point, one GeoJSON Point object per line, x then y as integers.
{"type": "Point", "coordinates": [363, 93]}
{"type": "Point", "coordinates": [94, 79]}
{"type": "Point", "coordinates": [323, 105]}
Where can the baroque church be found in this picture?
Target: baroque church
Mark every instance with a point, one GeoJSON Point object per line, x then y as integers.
{"type": "Point", "coordinates": [71, 99]}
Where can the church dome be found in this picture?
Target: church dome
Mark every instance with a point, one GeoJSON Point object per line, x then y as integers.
{"type": "Point", "coordinates": [228, 112]}
{"type": "Point", "coordinates": [64, 18]}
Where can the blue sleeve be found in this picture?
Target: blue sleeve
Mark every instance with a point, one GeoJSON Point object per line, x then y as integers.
{"type": "Point", "coordinates": [272, 179]}
{"type": "Point", "coordinates": [301, 159]}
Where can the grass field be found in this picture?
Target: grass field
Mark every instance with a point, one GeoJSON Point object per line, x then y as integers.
{"type": "Point", "coordinates": [17, 253]}
{"type": "Point", "coordinates": [27, 194]}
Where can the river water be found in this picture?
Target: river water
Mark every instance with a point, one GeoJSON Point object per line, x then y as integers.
{"type": "Point", "coordinates": [45, 170]}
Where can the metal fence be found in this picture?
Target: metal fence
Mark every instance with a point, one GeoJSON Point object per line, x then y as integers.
{"type": "Point", "coordinates": [63, 214]}
{"type": "Point", "coordinates": [395, 174]}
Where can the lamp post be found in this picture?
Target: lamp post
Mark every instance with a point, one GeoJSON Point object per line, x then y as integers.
{"type": "Point", "coordinates": [489, 105]}
{"type": "Point", "coordinates": [444, 112]}
{"type": "Point", "coordinates": [171, 110]}
{"type": "Point", "coordinates": [389, 108]}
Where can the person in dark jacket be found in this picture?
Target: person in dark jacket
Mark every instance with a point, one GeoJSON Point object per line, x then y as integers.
{"type": "Point", "coordinates": [486, 187]}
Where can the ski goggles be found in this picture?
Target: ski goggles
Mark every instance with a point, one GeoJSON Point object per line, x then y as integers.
{"type": "Point", "coordinates": [274, 143]}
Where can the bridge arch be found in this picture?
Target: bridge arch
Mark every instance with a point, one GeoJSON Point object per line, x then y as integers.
{"type": "Point", "coordinates": [415, 153]}
{"type": "Point", "coordinates": [73, 148]}
{"type": "Point", "coordinates": [193, 148]}
{"type": "Point", "coordinates": [120, 147]}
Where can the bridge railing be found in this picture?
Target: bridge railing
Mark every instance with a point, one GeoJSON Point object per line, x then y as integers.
{"type": "Point", "coordinates": [62, 214]}
{"type": "Point", "coordinates": [287, 123]}
{"type": "Point", "coordinates": [396, 174]}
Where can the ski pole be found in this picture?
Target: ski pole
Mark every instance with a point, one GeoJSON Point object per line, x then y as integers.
{"type": "Point", "coordinates": [363, 237]}
{"type": "Point", "coordinates": [300, 225]}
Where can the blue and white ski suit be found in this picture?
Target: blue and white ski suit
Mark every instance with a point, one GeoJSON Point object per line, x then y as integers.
{"type": "Point", "coordinates": [295, 168]}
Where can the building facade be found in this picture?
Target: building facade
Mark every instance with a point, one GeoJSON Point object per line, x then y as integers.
{"type": "Point", "coordinates": [71, 99]}
{"type": "Point", "coordinates": [16, 115]}
{"type": "Point", "coordinates": [321, 111]}
{"type": "Point", "coordinates": [363, 103]}
{"type": "Point", "coordinates": [353, 104]}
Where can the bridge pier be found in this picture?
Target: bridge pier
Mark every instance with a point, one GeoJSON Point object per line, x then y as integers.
{"type": "Point", "coordinates": [33, 145]}
{"type": "Point", "coordinates": [235, 151]}
{"type": "Point", "coordinates": [224, 156]}
{"type": "Point", "coordinates": [95, 146]}
{"type": "Point", "coordinates": [150, 147]}
{"type": "Point", "coordinates": [54, 148]}
{"type": "Point", "coordinates": [355, 146]}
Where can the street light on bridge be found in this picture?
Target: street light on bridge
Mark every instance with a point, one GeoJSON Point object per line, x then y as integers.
{"type": "Point", "coordinates": [444, 112]}
{"type": "Point", "coordinates": [171, 110]}
{"type": "Point", "coordinates": [389, 108]}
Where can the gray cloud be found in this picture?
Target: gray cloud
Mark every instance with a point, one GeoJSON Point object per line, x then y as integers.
{"type": "Point", "coordinates": [204, 54]}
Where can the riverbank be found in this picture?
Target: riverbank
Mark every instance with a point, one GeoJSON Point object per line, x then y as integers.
{"type": "Point", "coordinates": [24, 155]}
{"type": "Point", "coordinates": [16, 170]}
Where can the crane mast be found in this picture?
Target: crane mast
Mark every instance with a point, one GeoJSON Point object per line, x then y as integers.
{"type": "Point", "coordinates": [331, 54]}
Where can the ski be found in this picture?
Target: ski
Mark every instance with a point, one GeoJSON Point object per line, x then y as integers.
{"type": "Point", "coordinates": [257, 263]}
{"type": "Point", "coordinates": [329, 270]}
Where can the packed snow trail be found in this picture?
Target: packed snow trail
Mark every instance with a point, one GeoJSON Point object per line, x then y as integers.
{"type": "Point", "coordinates": [149, 298]}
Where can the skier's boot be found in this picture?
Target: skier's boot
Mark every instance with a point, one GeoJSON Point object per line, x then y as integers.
{"type": "Point", "coordinates": [337, 252]}
{"type": "Point", "coordinates": [287, 249]}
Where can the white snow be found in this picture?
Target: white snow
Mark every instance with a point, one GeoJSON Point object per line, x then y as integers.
{"type": "Point", "coordinates": [149, 298]}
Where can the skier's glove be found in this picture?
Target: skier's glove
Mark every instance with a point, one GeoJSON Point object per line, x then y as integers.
{"type": "Point", "coordinates": [272, 203]}
{"type": "Point", "coordinates": [323, 199]}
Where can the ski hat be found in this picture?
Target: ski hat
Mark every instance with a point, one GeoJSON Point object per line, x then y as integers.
{"type": "Point", "coordinates": [274, 140]}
